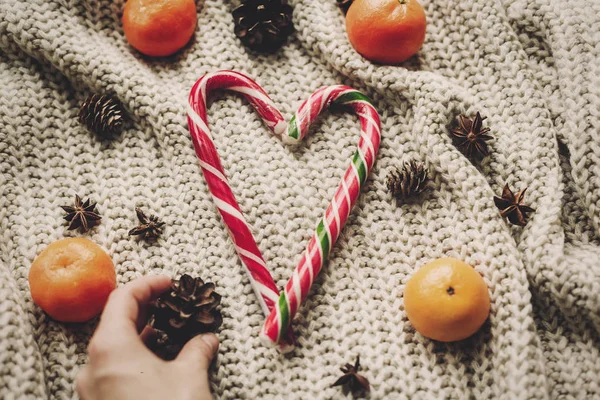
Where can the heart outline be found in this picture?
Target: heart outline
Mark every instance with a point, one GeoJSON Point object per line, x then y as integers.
{"type": "Point", "coordinates": [272, 302]}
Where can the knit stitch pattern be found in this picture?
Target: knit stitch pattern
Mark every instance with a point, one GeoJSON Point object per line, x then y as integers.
{"type": "Point", "coordinates": [532, 67]}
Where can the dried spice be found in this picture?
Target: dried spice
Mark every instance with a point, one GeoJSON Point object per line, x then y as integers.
{"type": "Point", "coordinates": [355, 381]}
{"type": "Point", "coordinates": [102, 114]}
{"type": "Point", "coordinates": [82, 215]}
{"type": "Point", "coordinates": [188, 309]}
{"type": "Point", "coordinates": [150, 227]}
{"type": "Point", "coordinates": [407, 181]}
{"type": "Point", "coordinates": [471, 137]}
{"type": "Point", "coordinates": [511, 206]}
{"type": "Point", "coordinates": [263, 25]}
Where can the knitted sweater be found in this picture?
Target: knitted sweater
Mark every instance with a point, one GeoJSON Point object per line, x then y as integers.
{"type": "Point", "coordinates": [532, 67]}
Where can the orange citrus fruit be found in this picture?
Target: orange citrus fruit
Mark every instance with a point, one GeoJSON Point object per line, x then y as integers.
{"type": "Point", "coordinates": [71, 279]}
{"type": "Point", "coordinates": [159, 27]}
{"type": "Point", "coordinates": [386, 31]}
{"type": "Point", "coordinates": [446, 300]}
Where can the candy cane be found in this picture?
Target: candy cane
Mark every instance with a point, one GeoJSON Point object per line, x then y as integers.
{"type": "Point", "coordinates": [328, 229]}
{"type": "Point", "coordinates": [281, 309]}
{"type": "Point", "coordinates": [239, 230]}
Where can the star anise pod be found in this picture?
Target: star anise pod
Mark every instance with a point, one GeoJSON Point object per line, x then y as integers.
{"type": "Point", "coordinates": [351, 377]}
{"type": "Point", "coordinates": [150, 227]}
{"type": "Point", "coordinates": [82, 215]}
{"type": "Point", "coordinates": [471, 137]}
{"type": "Point", "coordinates": [511, 207]}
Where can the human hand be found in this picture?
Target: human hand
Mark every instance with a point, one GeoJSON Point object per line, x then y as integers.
{"type": "Point", "coordinates": [122, 367]}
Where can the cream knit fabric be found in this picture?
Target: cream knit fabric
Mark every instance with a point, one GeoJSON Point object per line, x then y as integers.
{"type": "Point", "coordinates": [532, 67]}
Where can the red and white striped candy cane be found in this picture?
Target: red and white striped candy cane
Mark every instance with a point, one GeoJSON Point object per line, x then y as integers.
{"type": "Point", "coordinates": [281, 309]}
{"type": "Point", "coordinates": [239, 230]}
{"type": "Point", "coordinates": [328, 230]}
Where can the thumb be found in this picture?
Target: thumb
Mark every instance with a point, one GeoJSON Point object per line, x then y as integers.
{"type": "Point", "coordinates": [199, 351]}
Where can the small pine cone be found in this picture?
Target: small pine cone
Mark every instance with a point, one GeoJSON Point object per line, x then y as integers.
{"type": "Point", "coordinates": [189, 308]}
{"type": "Point", "coordinates": [263, 25]}
{"type": "Point", "coordinates": [344, 4]}
{"type": "Point", "coordinates": [407, 181]}
{"type": "Point", "coordinates": [102, 114]}
{"type": "Point", "coordinates": [164, 347]}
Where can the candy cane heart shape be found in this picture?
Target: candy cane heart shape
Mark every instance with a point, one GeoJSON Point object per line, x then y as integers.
{"type": "Point", "coordinates": [282, 308]}
{"type": "Point", "coordinates": [264, 287]}
{"type": "Point", "coordinates": [328, 230]}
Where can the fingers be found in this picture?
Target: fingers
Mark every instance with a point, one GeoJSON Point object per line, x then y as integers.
{"type": "Point", "coordinates": [82, 383]}
{"type": "Point", "coordinates": [125, 311]}
{"type": "Point", "coordinates": [199, 351]}
{"type": "Point", "coordinates": [148, 335]}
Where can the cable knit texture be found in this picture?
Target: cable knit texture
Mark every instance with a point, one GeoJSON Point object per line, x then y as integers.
{"type": "Point", "coordinates": [532, 67]}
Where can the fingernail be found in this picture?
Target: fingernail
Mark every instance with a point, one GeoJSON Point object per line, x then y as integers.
{"type": "Point", "coordinates": [211, 340]}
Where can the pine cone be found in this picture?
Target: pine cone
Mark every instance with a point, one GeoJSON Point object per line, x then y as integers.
{"type": "Point", "coordinates": [263, 25]}
{"type": "Point", "coordinates": [407, 181]}
{"type": "Point", "coordinates": [164, 347]}
{"type": "Point", "coordinates": [186, 310]}
{"type": "Point", "coordinates": [102, 114]}
{"type": "Point", "coordinates": [344, 4]}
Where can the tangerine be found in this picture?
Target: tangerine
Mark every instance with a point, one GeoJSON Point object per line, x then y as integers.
{"type": "Point", "coordinates": [446, 300]}
{"type": "Point", "coordinates": [159, 27]}
{"type": "Point", "coordinates": [386, 31]}
{"type": "Point", "coordinates": [71, 279]}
